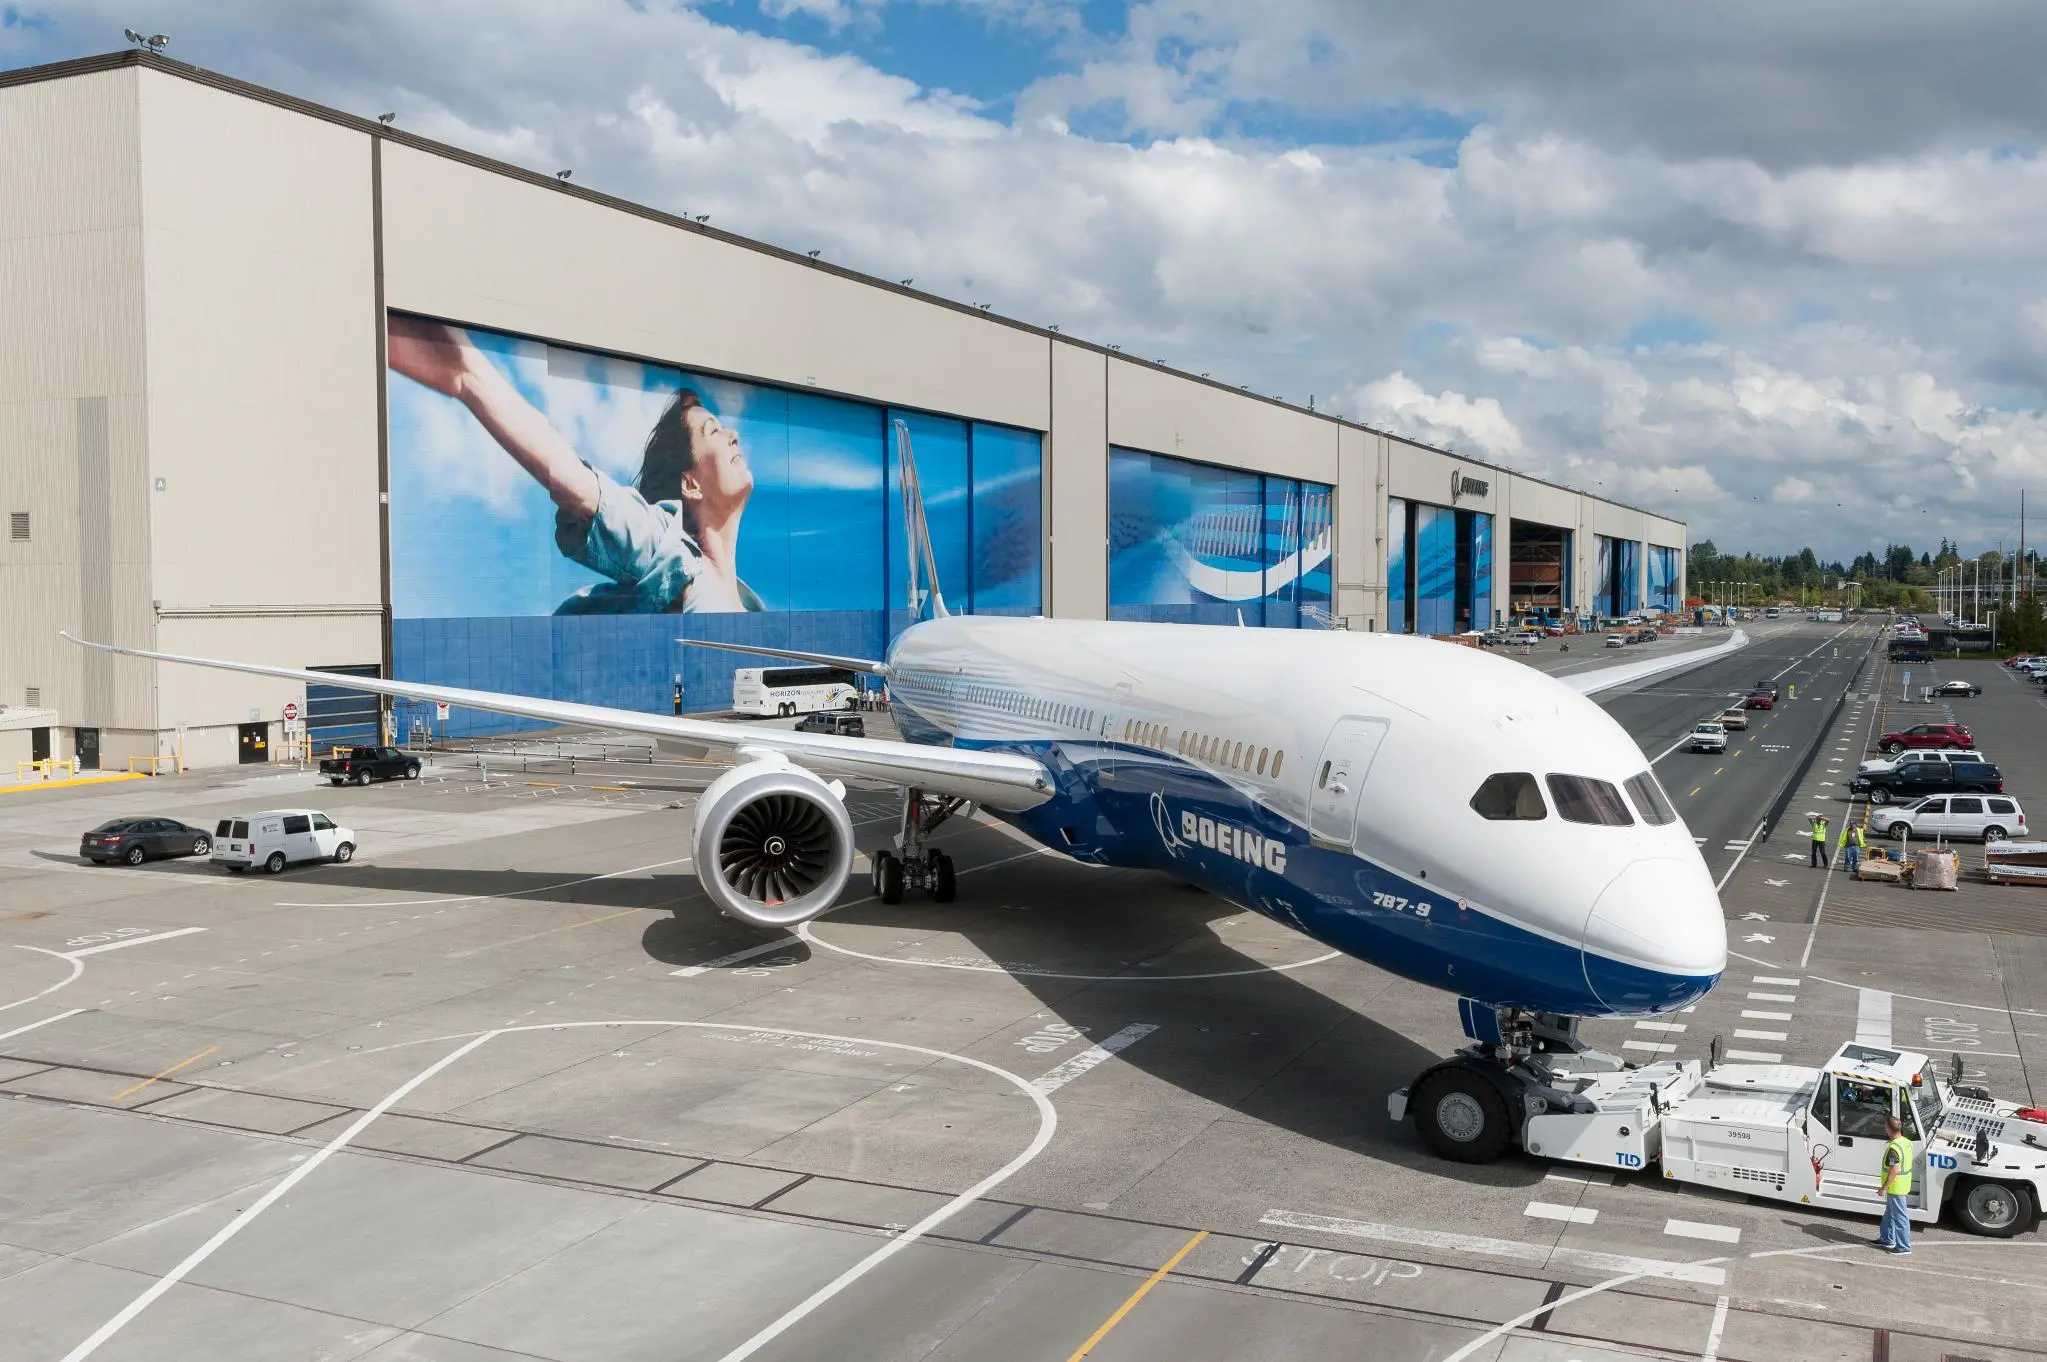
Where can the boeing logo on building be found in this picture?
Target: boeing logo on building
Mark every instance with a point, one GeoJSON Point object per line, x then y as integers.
{"type": "Point", "coordinates": [1462, 486]}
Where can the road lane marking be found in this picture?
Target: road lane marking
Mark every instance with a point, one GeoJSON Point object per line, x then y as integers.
{"type": "Point", "coordinates": [126, 942]}
{"type": "Point", "coordinates": [1750, 1014]}
{"type": "Point", "coordinates": [1583, 1177]}
{"type": "Point", "coordinates": [692, 971]}
{"type": "Point", "coordinates": [1659, 1026]}
{"type": "Point", "coordinates": [1052, 1080]}
{"type": "Point", "coordinates": [1756, 1056]}
{"type": "Point", "coordinates": [128, 1092]}
{"type": "Point", "coordinates": [1494, 1248]}
{"type": "Point", "coordinates": [1139, 1294]}
{"type": "Point", "coordinates": [1775, 979]}
{"type": "Point", "coordinates": [24, 1030]}
{"type": "Point", "coordinates": [1694, 1229]}
{"type": "Point", "coordinates": [1741, 1033]}
{"type": "Point", "coordinates": [1713, 1335]}
{"type": "Point", "coordinates": [1570, 1215]}
{"type": "Point", "coordinates": [1647, 1046]}
{"type": "Point", "coordinates": [1873, 1017]}
{"type": "Point", "coordinates": [1048, 1125]}
{"type": "Point", "coordinates": [1773, 997]}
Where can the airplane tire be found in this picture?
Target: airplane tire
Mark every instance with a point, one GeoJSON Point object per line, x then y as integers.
{"type": "Point", "coordinates": [944, 884]}
{"type": "Point", "coordinates": [1996, 1209]}
{"type": "Point", "coordinates": [888, 877]}
{"type": "Point", "coordinates": [1461, 1115]}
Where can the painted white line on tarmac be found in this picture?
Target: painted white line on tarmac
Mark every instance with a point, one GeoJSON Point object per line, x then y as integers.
{"type": "Point", "coordinates": [1713, 1335]}
{"type": "Point", "coordinates": [1747, 846]}
{"type": "Point", "coordinates": [1694, 1229]}
{"type": "Point", "coordinates": [77, 968]}
{"type": "Point", "coordinates": [1048, 1124]}
{"type": "Point", "coordinates": [1647, 1046]}
{"type": "Point", "coordinates": [1515, 1249]}
{"type": "Point", "coordinates": [126, 942]}
{"type": "Point", "coordinates": [1052, 1080]}
{"type": "Point", "coordinates": [1742, 1033]}
{"type": "Point", "coordinates": [1659, 1026]}
{"type": "Point", "coordinates": [1916, 997]}
{"type": "Point", "coordinates": [692, 971]}
{"type": "Point", "coordinates": [1775, 979]}
{"type": "Point", "coordinates": [1570, 1215]}
{"type": "Point", "coordinates": [1773, 997]}
{"type": "Point", "coordinates": [1751, 1014]}
{"type": "Point", "coordinates": [23, 1030]}
{"type": "Point", "coordinates": [1873, 1017]}
{"type": "Point", "coordinates": [1756, 1056]}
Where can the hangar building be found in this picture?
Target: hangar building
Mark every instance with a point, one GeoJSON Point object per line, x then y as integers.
{"type": "Point", "coordinates": [285, 384]}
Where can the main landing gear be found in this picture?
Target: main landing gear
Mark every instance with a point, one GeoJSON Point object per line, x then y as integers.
{"type": "Point", "coordinates": [913, 865]}
{"type": "Point", "coordinates": [1475, 1105]}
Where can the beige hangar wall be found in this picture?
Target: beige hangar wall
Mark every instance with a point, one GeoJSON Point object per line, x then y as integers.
{"type": "Point", "coordinates": [73, 444]}
{"type": "Point", "coordinates": [259, 266]}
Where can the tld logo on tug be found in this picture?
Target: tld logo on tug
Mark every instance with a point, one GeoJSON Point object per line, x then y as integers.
{"type": "Point", "coordinates": [1239, 843]}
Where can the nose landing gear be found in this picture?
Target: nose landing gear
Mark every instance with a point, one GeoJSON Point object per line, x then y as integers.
{"type": "Point", "coordinates": [1475, 1105]}
{"type": "Point", "coordinates": [914, 865]}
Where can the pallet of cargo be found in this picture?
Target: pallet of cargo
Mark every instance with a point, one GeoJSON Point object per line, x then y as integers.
{"type": "Point", "coordinates": [2016, 862]}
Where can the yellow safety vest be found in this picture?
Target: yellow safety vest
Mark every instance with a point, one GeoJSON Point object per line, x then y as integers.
{"type": "Point", "coordinates": [1855, 835]}
{"type": "Point", "coordinates": [1819, 831]}
{"type": "Point", "coordinates": [1900, 1182]}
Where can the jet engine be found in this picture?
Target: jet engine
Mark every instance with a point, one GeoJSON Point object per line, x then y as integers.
{"type": "Point", "coordinates": [774, 844]}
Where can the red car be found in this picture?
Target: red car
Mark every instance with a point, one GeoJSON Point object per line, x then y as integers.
{"type": "Point", "coordinates": [1927, 735]}
{"type": "Point", "coordinates": [1760, 699]}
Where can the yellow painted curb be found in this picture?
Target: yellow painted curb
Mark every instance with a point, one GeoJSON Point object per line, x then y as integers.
{"type": "Point", "coordinates": [107, 779]}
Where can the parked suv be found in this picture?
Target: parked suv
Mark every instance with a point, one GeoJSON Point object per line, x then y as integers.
{"type": "Point", "coordinates": [1926, 735]}
{"type": "Point", "coordinates": [1990, 817]}
{"type": "Point", "coordinates": [1710, 736]}
{"type": "Point", "coordinates": [1925, 778]}
{"type": "Point", "coordinates": [1913, 755]}
{"type": "Point", "coordinates": [845, 725]}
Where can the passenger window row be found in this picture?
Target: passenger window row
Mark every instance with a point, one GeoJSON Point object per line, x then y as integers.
{"type": "Point", "coordinates": [1515, 797]}
{"type": "Point", "coordinates": [1247, 757]}
{"type": "Point", "coordinates": [1030, 707]}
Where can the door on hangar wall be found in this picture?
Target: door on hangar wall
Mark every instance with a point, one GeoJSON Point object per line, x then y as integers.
{"type": "Point", "coordinates": [254, 742]}
{"type": "Point", "coordinates": [85, 745]}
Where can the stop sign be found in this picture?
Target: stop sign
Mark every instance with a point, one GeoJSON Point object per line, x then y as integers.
{"type": "Point", "coordinates": [291, 711]}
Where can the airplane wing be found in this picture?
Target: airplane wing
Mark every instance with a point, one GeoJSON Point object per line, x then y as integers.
{"type": "Point", "coordinates": [1002, 780]}
{"type": "Point", "coordinates": [852, 664]}
{"type": "Point", "coordinates": [1628, 673]}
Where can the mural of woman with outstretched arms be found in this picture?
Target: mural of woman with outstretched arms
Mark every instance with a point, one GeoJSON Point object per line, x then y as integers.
{"type": "Point", "coordinates": [669, 542]}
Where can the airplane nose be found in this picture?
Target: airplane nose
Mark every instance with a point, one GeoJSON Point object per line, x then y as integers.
{"type": "Point", "coordinates": [1655, 938]}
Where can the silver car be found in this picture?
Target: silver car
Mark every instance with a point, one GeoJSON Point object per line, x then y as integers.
{"type": "Point", "coordinates": [1992, 818]}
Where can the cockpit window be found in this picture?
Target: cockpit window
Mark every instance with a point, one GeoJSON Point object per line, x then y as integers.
{"type": "Point", "coordinates": [1650, 801]}
{"type": "Point", "coordinates": [1581, 799]}
{"type": "Point", "coordinates": [1510, 797]}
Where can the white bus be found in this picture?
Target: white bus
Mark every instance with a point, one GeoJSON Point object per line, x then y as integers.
{"type": "Point", "coordinates": [791, 690]}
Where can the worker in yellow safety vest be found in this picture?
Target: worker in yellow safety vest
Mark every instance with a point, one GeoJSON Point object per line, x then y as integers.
{"type": "Point", "coordinates": [1819, 841]}
{"type": "Point", "coordinates": [1896, 1234]}
{"type": "Point", "coordinates": [1852, 844]}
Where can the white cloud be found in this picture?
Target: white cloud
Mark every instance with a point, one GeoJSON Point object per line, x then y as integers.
{"type": "Point", "coordinates": [1712, 263]}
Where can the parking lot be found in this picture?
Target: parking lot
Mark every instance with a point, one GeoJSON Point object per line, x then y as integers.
{"type": "Point", "coordinates": [505, 1087]}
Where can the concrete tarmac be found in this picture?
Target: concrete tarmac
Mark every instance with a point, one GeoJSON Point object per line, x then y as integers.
{"type": "Point", "coordinates": [505, 1087]}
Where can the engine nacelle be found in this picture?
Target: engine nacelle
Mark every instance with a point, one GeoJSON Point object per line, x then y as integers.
{"type": "Point", "coordinates": [773, 844]}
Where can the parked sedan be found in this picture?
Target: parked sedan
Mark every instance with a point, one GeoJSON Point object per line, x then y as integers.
{"type": "Point", "coordinates": [1926, 735]}
{"type": "Point", "coordinates": [1990, 817]}
{"type": "Point", "coordinates": [1957, 688]}
{"type": "Point", "coordinates": [136, 840]}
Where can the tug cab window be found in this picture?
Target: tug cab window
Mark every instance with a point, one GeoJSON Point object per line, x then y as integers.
{"type": "Point", "coordinates": [1650, 801]}
{"type": "Point", "coordinates": [1581, 799]}
{"type": "Point", "coordinates": [1509, 798]}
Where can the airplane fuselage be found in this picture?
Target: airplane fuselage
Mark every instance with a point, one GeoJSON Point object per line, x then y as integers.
{"type": "Point", "coordinates": [1326, 780]}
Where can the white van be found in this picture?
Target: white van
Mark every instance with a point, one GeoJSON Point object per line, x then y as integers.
{"type": "Point", "coordinates": [277, 837]}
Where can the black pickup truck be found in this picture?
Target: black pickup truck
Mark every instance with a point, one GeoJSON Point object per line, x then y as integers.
{"type": "Point", "coordinates": [365, 764]}
{"type": "Point", "coordinates": [1927, 778]}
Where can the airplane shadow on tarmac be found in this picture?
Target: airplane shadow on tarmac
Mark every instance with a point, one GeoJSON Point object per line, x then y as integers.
{"type": "Point", "coordinates": [1261, 1043]}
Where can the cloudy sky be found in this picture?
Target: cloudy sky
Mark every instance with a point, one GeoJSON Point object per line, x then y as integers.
{"type": "Point", "coordinates": [1776, 269]}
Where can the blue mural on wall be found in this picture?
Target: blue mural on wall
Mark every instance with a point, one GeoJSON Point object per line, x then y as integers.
{"type": "Point", "coordinates": [560, 517]}
{"type": "Point", "coordinates": [1664, 565]}
{"type": "Point", "coordinates": [1194, 543]}
{"type": "Point", "coordinates": [1439, 568]}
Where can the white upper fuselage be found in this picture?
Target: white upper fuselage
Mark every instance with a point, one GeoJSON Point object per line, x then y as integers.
{"type": "Point", "coordinates": [1144, 724]}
